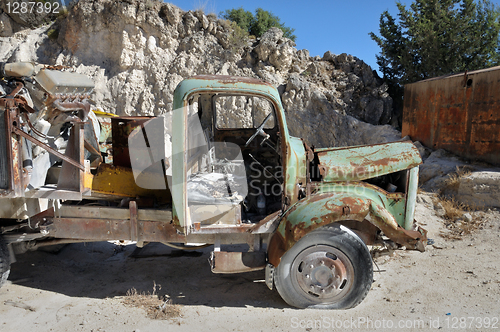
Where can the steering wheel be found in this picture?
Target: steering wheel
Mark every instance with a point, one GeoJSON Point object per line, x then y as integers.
{"type": "Point", "coordinates": [260, 131]}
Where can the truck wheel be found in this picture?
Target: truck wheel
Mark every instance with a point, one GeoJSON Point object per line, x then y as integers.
{"type": "Point", "coordinates": [4, 262]}
{"type": "Point", "coordinates": [329, 268]}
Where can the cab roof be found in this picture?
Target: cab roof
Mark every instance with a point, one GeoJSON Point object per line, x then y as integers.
{"type": "Point", "coordinates": [223, 83]}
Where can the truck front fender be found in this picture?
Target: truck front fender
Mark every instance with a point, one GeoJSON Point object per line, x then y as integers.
{"type": "Point", "coordinates": [326, 208]}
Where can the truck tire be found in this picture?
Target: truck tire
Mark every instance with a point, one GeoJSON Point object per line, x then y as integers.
{"type": "Point", "coordinates": [4, 262]}
{"type": "Point", "coordinates": [329, 268]}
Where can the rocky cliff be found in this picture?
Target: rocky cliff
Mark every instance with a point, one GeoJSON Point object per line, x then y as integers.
{"type": "Point", "coordinates": [138, 51]}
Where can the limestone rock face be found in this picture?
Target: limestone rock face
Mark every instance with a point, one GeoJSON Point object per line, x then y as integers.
{"type": "Point", "coordinates": [15, 15]}
{"type": "Point", "coordinates": [276, 49]}
{"type": "Point", "coordinates": [138, 51]}
{"type": "Point", "coordinates": [5, 26]}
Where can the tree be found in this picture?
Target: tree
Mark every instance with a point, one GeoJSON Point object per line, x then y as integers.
{"type": "Point", "coordinates": [241, 17]}
{"type": "Point", "coordinates": [434, 38]}
{"type": "Point", "coordinates": [438, 37]}
{"type": "Point", "coordinates": [257, 25]}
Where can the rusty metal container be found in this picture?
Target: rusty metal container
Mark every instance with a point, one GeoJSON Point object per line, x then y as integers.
{"type": "Point", "coordinates": [459, 113]}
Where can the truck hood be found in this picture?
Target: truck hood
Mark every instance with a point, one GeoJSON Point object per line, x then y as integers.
{"type": "Point", "coordinates": [367, 161]}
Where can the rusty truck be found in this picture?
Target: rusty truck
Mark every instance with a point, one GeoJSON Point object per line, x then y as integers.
{"type": "Point", "coordinates": [220, 168]}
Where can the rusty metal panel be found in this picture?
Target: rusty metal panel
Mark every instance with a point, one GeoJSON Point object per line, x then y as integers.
{"type": "Point", "coordinates": [4, 156]}
{"type": "Point", "coordinates": [365, 162]}
{"type": "Point", "coordinates": [96, 229]}
{"type": "Point", "coordinates": [459, 113]}
{"type": "Point", "coordinates": [14, 187]}
{"type": "Point", "coordinates": [121, 129]}
{"type": "Point", "coordinates": [155, 231]}
{"type": "Point", "coordinates": [237, 262]}
{"type": "Point", "coordinates": [113, 229]}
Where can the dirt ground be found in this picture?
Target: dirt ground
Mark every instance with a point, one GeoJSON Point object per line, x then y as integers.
{"type": "Point", "coordinates": [454, 285]}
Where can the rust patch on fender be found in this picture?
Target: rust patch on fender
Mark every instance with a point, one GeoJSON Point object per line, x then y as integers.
{"type": "Point", "coordinates": [349, 209]}
{"type": "Point", "coordinates": [276, 249]}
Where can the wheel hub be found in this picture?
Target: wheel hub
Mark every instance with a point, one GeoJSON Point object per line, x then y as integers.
{"type": "Point", "coordinates": [322, 272]}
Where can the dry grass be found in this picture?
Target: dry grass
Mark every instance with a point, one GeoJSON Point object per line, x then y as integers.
{"type": "Point", "coordinates": [454, 217]}
{"type": "Point", "coordinates": [205, 6]}
{"type": "Point", "coordinates": [453, 209]}
{"type": "Point", "coordinates": [453, 180]}
{"type": "Point", "coordinates": [156, 306]}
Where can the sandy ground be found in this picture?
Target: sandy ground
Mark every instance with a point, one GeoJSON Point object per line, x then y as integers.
{"type": "Point", "coordinates": [453, 286]}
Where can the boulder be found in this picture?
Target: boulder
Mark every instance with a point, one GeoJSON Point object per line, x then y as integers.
{"type": "Point", "coordinates": [474, 184]}
{"type": "Point", "coordinates": [479, 189]}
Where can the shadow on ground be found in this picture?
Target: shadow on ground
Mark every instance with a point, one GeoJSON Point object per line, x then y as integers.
{"type": "Point", "coordinates": [103, 269]}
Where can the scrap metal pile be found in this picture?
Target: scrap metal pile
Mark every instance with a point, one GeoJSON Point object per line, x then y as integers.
{"type": "Point", "coordinates": [45, 113]}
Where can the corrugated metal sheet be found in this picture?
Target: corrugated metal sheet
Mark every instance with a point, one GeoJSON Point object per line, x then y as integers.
{"type": "Point", "coordinates": [459, 113]}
